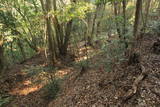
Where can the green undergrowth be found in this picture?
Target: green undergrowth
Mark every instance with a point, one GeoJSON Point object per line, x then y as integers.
{"type": "Point", "coordinates": [45, 74]}
{"type": "Point", "coordinates": [4, 99]}
{"type": "Point", "coordinates": [52, 89]}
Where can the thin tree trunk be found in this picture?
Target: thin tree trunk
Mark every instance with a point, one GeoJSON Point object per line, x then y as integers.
{"type": "Point", "coordinates": [63, 50]}
{"type": "Point", "coordinates": [99, 22]}
{"type": "Point", "coordinates": [124, 23]}
{"type": "Point", "coordinates": [62, 35]}
{"type": "Point", "coordinates": [146, 13]}
{"type": "Point", "coordinates": [67, 37]}
{"type": "Point", "coordinates": [49, 32]}
{"type": "Point", "coordinates": [59, 33]}
{"type": "Point", "coordinates": [94, 22]}
{"type": "Point", "coordinates": [124, 17]}
{"type": "Point", "coordinates": [1, 55]}
{"type": "Point", "coordinates": [137, 18]}
{"type": "Point", "coordinates": [133, 52]}
{"type": "Point", "coordinates": [116, 15]}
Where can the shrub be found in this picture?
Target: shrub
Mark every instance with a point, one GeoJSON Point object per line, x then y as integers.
{"type": "Point", "coordinates": [52, 89]}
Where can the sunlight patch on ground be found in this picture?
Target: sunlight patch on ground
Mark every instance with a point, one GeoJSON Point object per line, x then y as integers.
{"type": "Point", "coordinates": [81, 59]}
{"type": "Point", "coordinates": [61, 73]}
{"type": "Point", "coordinates": [27, 90]}
{"type": "Point", "coordinates": [27, 82]}
{"type": "Point", "coordinates": [84, 54]}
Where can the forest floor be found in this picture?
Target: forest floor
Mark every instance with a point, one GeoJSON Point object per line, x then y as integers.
{"type": "Point", "coordinates": [25, 85]}
{"type": "Point", "coordinates": [22, 84]}
{"type": "Point", "coordinates": [126, 85]}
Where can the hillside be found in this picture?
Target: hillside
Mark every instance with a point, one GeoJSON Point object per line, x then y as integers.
{"type": "Point", "coordinates": [136, 85]}
{"type": "Point", "coordinates": [79, 53]}
{"type": "Point", "coordinates": [126, 85]}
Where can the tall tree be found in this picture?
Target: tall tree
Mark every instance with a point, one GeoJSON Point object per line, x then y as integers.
{"type": "Point", "coordinates": [124, 4]}
{"type": "Point", "coordinates": [49, 32]}
{"type": "Point", "coordinates": [137, 18]}
{"type": "Point", "coordinates": [124, 16]}
{"type": "Point", "coordinates": [62, 32]}
{"type": "Point", "coordinates": [101, 16]}
{"type": "Point", "coordinates": [116, 13]}
{"type": "Point", "coordinates": [147, 7]}
{"type": "Point", "coordinates": [133, 55]}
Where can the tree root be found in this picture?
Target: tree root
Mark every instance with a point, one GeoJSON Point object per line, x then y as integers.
{"type": "Point", "coordinates": [131, 92]}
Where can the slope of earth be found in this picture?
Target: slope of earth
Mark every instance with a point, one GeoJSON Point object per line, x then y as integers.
{"type": "Point", "coordinates": [126, 85]}
{"type": "Point", "coordinates": [24, 85]}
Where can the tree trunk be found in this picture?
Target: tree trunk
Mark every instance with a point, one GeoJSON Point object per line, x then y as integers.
{"type": "Point", "coordinates": [62, 35]}
{"type": "Point", "coordinates": [137, 18]}
{"type": "Point", "coordinates": [146, 14]}
{"type": "Point", "coordinates": [59, 33]}
{"type": "Point", "coordinates": [66, 39]}
{"type": "Point", "coordinates": [1, 56]}
{"type": "Point", "coordinates": [124, 17]}
{"type": "Point", "coordinates": [116, 15]}
{"type": "Point", "coordinates": [133, 52]}
{"type": "Point", "coordinates": [99, 22]}
{"type": "Point", "coordinates": [94, 23]}
{"type": "Point", "coordinates": [124, 23]}
{"type": "Point", "coordinates": [68, 29]}
{"type": "Point", "coordinates": [52, 49]}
